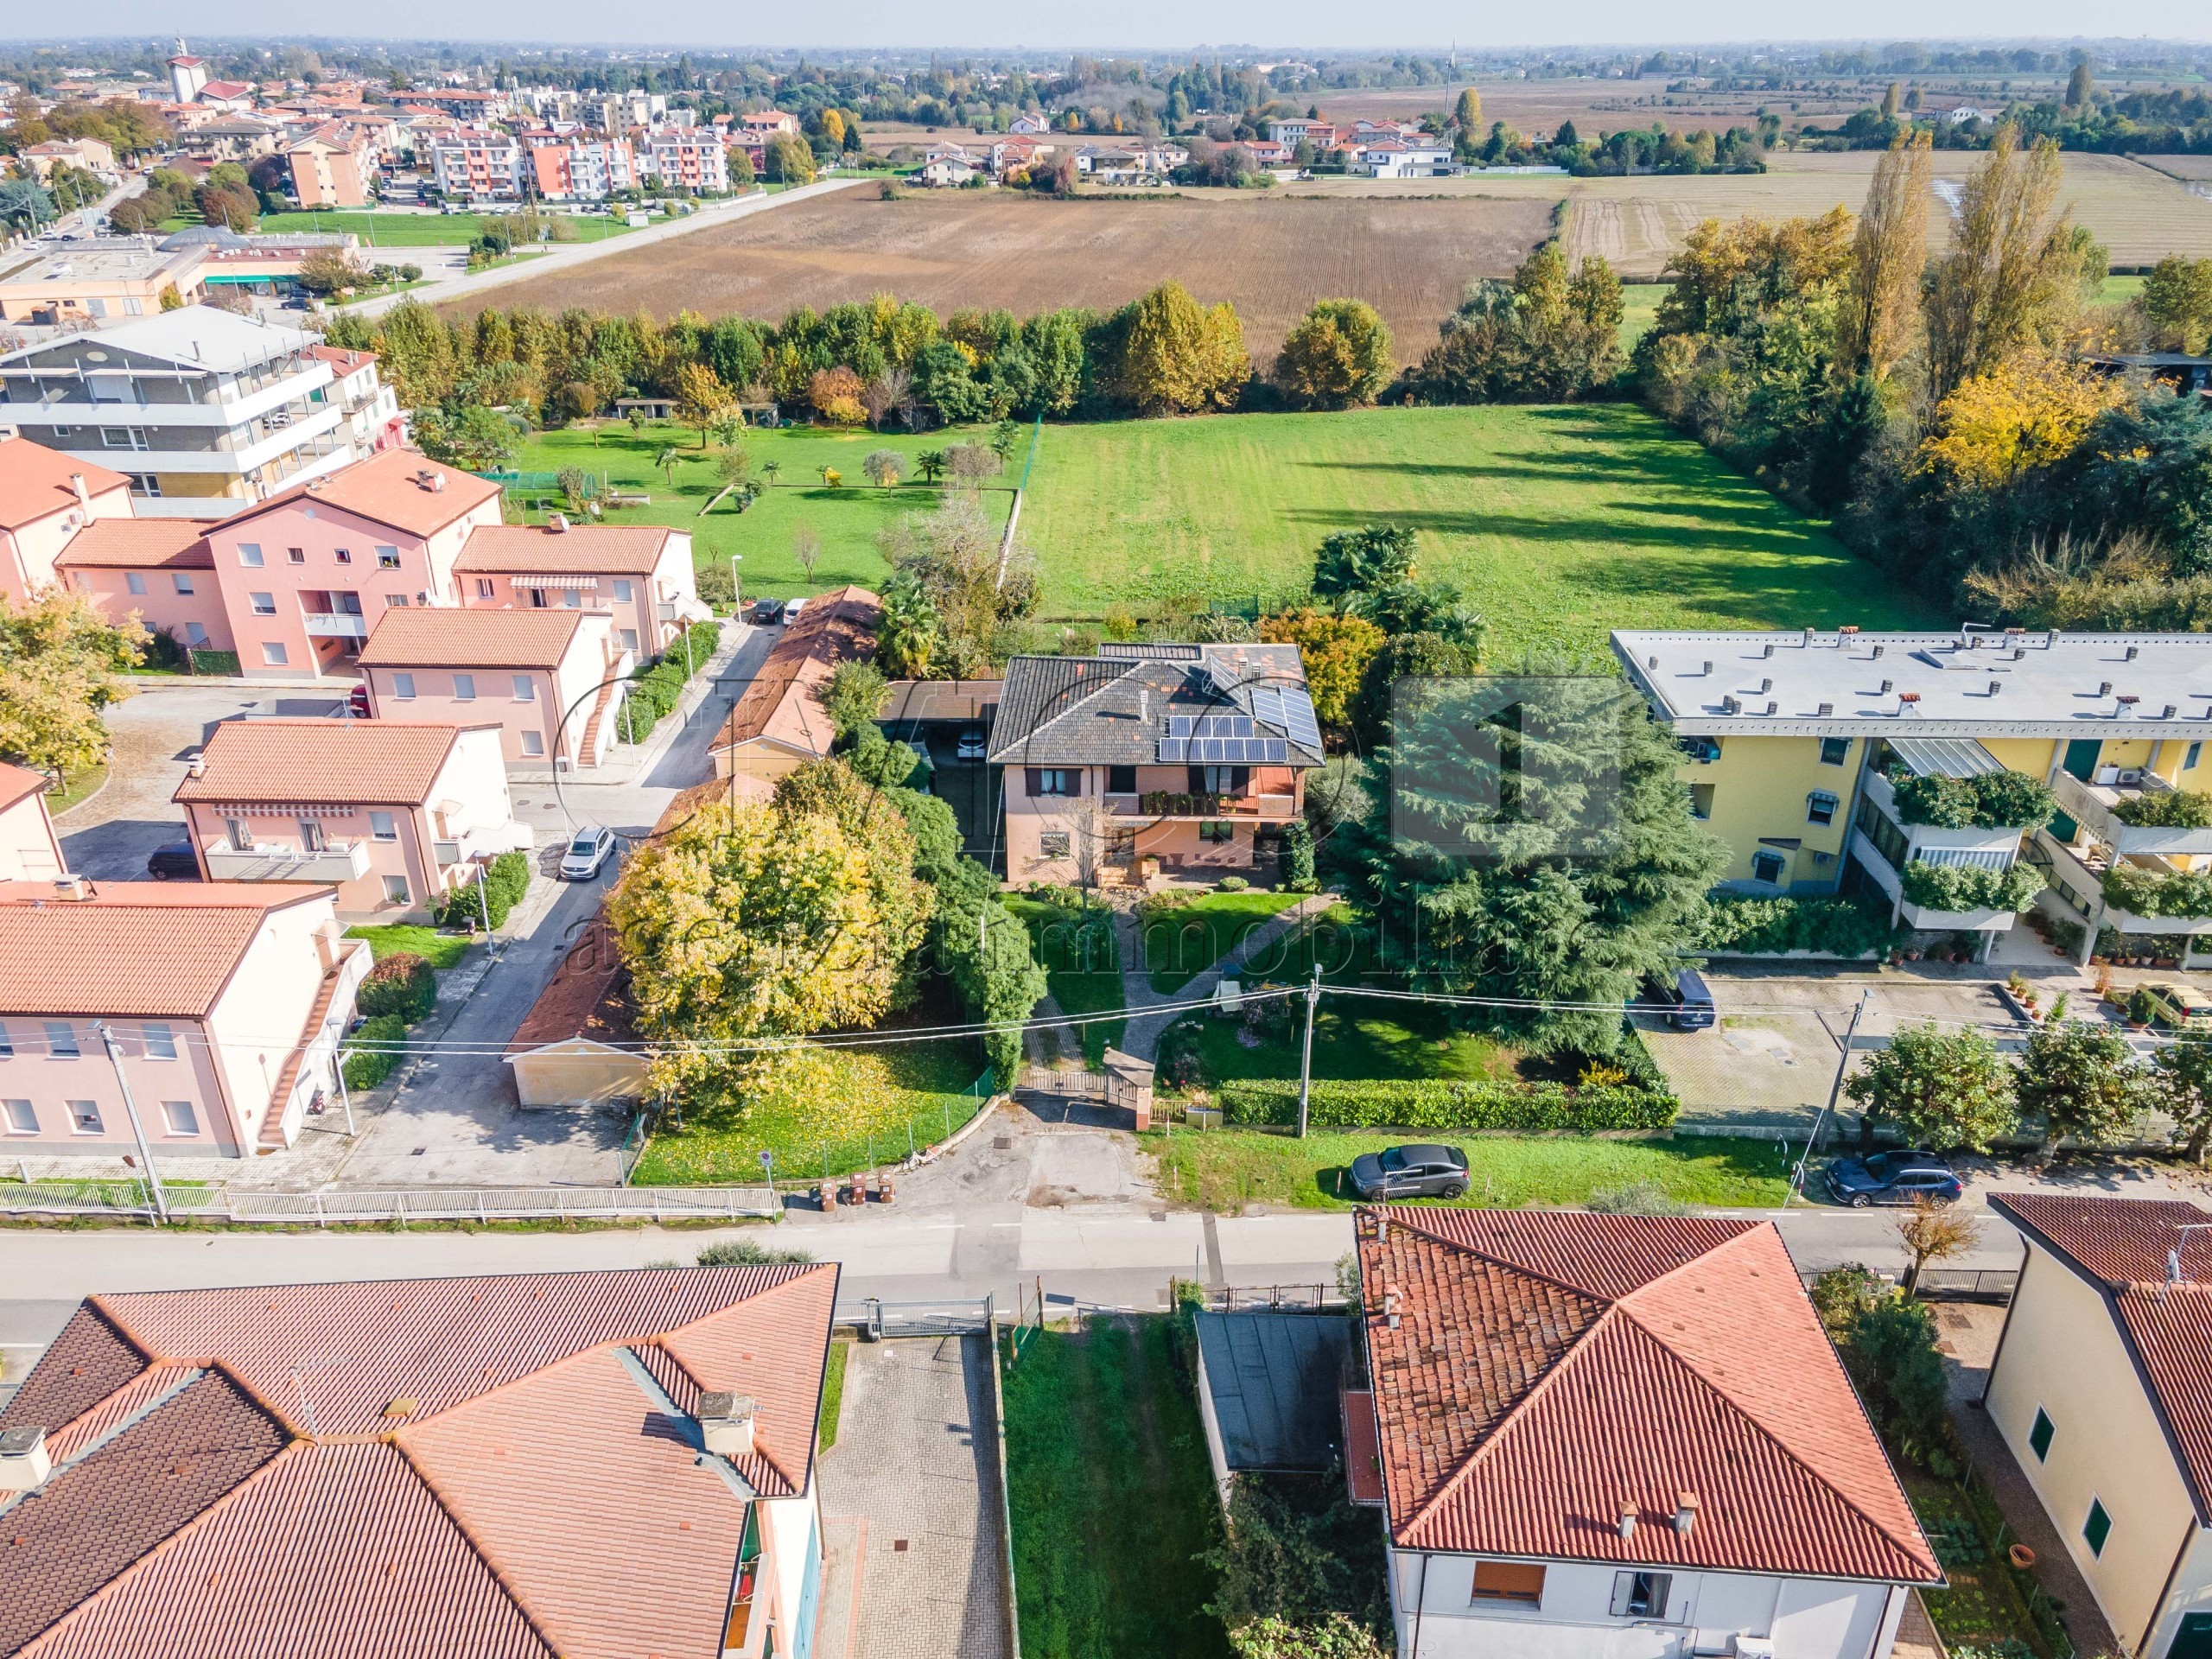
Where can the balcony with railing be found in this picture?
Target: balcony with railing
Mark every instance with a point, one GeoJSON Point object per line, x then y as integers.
{"type": "Point", "coordinates": [2082, 878]}
{"type": "Point", "coordinates": [2111, 808]}
{"type": "Point", "coordinates": [1173, 806]}
{"type": "Point", "coordinates": [484, 843]}
{"type": "Point", "coordinates": [340, 860]}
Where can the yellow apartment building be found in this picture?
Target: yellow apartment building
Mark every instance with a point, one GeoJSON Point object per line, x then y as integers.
{"type": "Point", "coordinates": [1794, 745]}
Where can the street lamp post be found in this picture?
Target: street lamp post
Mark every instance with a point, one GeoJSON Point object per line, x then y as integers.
{"type": "Point", "coordinates": [137, 1128]}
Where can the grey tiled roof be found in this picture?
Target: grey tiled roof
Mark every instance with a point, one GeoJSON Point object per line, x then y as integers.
{"type": "Point", "coordinates": [1113, 711]}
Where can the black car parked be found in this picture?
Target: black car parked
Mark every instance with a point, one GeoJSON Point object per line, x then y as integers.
{"type": "Point", "coordinates": [766, 611]}
{"type": "Point", "coordinates": [1417, 1171]}
{"type": "Point", "coordinates": [1892, 1178]}
{"type": "Point", "coordinates": [174, 863]}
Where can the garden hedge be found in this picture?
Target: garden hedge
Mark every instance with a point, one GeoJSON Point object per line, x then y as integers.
{"type": "Point", "coordinates": [1957, 888]}
{"type": "Point", "coordinates": [404, 984]}
{"type": "Point", "coordinates": [1439, 1104]}
{"type": "Point", "coordinates": [506, 879]}
{"type": "Point", "coordinates": [369, 1055]}
{"type": "Point", "coordinates": [1757, 927]}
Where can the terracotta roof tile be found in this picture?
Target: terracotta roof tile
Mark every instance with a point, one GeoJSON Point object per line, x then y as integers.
{"type": "Point", "coordinates": [20, 784]}
{"type": "Point", "coordinates": [122, 952]}
{"type": "Point", "coordinates": [34, 482]}
{"type": "Point", "coordinates": [89, 1361]}
{"type": "Point", "coordinates": [384, 488]}
{"type": "Point", "coordinates": [320, 762]}
{"type": "Point", "coordinates": [420, 636]}
{"type": "Point", "coordinates": [139, 544]}
{"type": "Point", "coordinates": [1547, 1367]}
{"type": "Point", "coordinates": [2122, 1245]}
{"type": "Point", "coordinates": [622, 549]}
{"type": "Point", "coordinates": [779, 704]}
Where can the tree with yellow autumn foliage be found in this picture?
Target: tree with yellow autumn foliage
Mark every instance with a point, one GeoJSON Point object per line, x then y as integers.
{"type": "Point", "coordinates": [2033, 410]}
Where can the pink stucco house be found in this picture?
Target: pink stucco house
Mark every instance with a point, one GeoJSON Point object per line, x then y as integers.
{"type": "Point", "coordinates": [1185, 759]}
{"type": "Point", "coordinates": [642, 574]}
{"type": "Point", "coordinates": [393, 814]}
{"type": "Point", "coordinates": [45, 499]}
{"type": "Point", "coordinates": [161, 569]}
{"type": "Point", "coordinates": [305, 574]}
{"type": "Point", "coordinates": [549, 678]}
{"type": "Point", "coordinates": [225, 1000]}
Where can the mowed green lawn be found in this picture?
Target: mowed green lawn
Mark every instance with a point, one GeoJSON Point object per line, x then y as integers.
{"type": "Point", "coordinates": [396, 230]}
{"type": "Point", "coordinates": [846, 520]}
{"type": "Point", "coordinates": [1561, 522]}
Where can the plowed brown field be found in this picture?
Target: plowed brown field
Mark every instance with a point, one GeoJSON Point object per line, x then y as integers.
{"type": "Point", "coordinates": [1271, 255]}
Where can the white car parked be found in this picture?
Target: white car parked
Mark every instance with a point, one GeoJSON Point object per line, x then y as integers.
{"type": "Point", "coordinates": [588, 849]}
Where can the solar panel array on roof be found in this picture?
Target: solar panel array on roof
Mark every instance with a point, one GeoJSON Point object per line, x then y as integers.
{"type": "Point", "coordinates": [1210, 725]}
{"type": "Point", "coordinates": [1291, 709]}
{"type": "Point", "coordinates": [1217, 750]}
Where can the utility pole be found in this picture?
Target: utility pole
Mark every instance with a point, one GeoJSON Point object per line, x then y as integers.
{"type": "Point", "coordinates": [1835, 1091]}
{"type": "Point", "coordinates": [1305, 1053]}
{"type": "Point", "coordinates": [137, 1128]}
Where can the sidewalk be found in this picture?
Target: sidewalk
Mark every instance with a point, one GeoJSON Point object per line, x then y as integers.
{"type": "Point", "coordinates": [627, 763]}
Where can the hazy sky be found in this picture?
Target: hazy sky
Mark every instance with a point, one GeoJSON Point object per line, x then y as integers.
{"type": "Point", "coordinates": [981, 24]}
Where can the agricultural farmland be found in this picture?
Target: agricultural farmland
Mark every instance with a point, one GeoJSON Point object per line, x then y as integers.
{"type": "Point", "coordinates": [1270, 255]}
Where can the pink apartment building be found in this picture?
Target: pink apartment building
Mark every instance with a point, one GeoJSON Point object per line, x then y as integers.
{"type": "Point", "coordinates": [393, 814]}
{"type": "Point", "coordinates": [305, 574]}
{"type": "Point", "coordinates": [46, 499]}
{"type": "Point", "coordinates": [1174, 759]}
{"type": "Point", "coordinates": [641, 573]}
{"type": "Point", "coordinates": [161, 570]}
{"type": "Point", "coordinates": [29, 850]}
{"type": "Point", "coordinates": [549, 678]}
{"type": "Point", "coordinates": [225, 1002]}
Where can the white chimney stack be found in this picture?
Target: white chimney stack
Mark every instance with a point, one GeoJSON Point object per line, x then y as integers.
{"type": "Point", "coordinates": [24, 1461]}
{"type": "Point", "coordinates": [1628, 1518]}
{"type": "Point", "coordinates": [84, 495]}
{"type": "Point", "coordinates": [1685, 1512]}
{"type": "Point", "coordinates": [726, 1423]}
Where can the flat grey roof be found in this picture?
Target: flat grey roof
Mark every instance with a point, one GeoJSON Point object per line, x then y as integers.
{"type": "Point", "coordinates": [1274, 1379]}
{"type": "Point", "coordinates": [1967, 684]}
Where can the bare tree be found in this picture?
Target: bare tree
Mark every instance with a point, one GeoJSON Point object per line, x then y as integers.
{"type": "Point", "coordinates": [970, 464]}
{"type": "Point", "coordinates": [892, 390]}
{"type": "Point", "coordinates": [1089, 838]}
{"type": "Point", "coordinates": [1932, 1232]}
{"type": "Point", "coordinates": [806, 551]}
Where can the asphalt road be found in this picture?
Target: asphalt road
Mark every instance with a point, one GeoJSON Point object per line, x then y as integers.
{"type": "Point", "coordinates": [1116, 1257]}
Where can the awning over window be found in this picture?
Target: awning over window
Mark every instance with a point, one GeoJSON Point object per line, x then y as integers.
{"type": "Point", "coordinates": [586, 583]}
{"type": "Point", "coordinates": [281, 810]}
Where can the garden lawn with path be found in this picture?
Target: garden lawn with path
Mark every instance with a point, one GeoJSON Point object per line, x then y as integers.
{"type": "Point", "coordinates": [1082, 971]}
{"type": "Point", "coordinates": [1111, 1497]}
{"type": "Point", "coordinates": [1181, 942]}
{"type": "Point", "coordinates": [846, 519]}
{"type": "Point", "coordinates": [1559, 522]}
{"type": "Point", "coordinates": [822, 1112]}
{"type": "Point", "coordinates": [441, 951]}
{"type": "Point", "coordinates": [1225, 1169]}
{"type": "Point", "coordinates": [1352, 1040]}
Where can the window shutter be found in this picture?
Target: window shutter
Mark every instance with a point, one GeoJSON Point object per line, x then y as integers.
{"type": "Point", "coordinates": [1036, 781]}
{"type": "Point", "coordinates": [1076, 776]}
{"type": "Point", "coordinates": [1624, 1592]}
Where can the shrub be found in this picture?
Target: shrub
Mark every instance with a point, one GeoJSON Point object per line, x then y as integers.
{"type": "Point", "coordinates": [750, 1253]}
{"type": "Point", "coordinates": [2166, 808]}
{"type": "Point", "coordinates": [2143, 892]}
{"type": "Point", "coordinates": [1959, 888]}
{"type": "Point", "coordinates": [1232, 884]}
{"type": "Point", "coordinates": [1757, 927]}
{"type": "Point", "coordinates": [404, 984]}
{"type": "Point", "coordinates": [1297, 858]}
{"type": "Point", "coordinates": [1438, 1103]}
{"type": "Point", "coordinates": [1993, 800]}
{"type": "Point", "coordinates": [1636, 1199]}
{"type": "Point", "coordinates": [368, 1056]}
{"type": "Point", "coordinates": [505, 881]}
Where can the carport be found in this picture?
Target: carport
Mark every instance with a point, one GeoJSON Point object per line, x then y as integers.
{"type": "Point", "coordinates": [931, 715]}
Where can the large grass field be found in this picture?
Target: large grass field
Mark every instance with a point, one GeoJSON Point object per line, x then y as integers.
{"type": "Point", "coordinates": [1561, 522]}
{"type": "Point", "coordinates": [398, 229]}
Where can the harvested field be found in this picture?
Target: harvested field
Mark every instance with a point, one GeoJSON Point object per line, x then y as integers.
{"type": "Point", "coordinates": [1271, 255]}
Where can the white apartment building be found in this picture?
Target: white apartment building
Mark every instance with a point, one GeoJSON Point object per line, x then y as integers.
{"type": "Point", "coordinates": [203, 410]}
{"type": "Point", "coordinates": [473, 164]}
{"type": "Point", "coordinates": [685, 158]}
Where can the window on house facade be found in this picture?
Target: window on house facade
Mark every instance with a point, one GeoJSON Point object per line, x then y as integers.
{"type": "Point", "coordinates": [272, 654]}
{"type": "Point", "coordinates": [573, 598]}
{"type": "Point", "coordinates": [249, 554]}
{"type": "Point", "coordinates": [7, 1045]}
{"type": "Point", "coordinates": [23, 1117]}
{"type": "Point", "coordinates": [2188, 761]}
{"type": "Point", "coordinates": [296, 555]}
{"type": "Point", "coordinates": [61, 1039]}
{"type": "Point", "coordinates": [1641, 1595]}
{"type": "Point", "coordinates": [345, 554]}
{"type": "Point", "coordinates": [1217, 830]}
{"type": "Point", "coordinates": [1053, 843]}
{"type": "Point", "coordinates": [395, 890]}
{"type": "Point", "coordinates": [195, 634]}
{"type": "Point", "coordinates": [387, 558]}
{"type": "Point", "coordinates": [84, 1117]}
{"type": "Point", "coordinates": [621, 591]}
{"type": "Point", "coordinates": [1121, 780]}
{"type": "Point", "coordinates": [135, 582]}
{"type": "Point", "coordinates": [533, 743]}
{"type": "Point", "coordinates": [525, 688]}
{"type": "Point", "coordinates": [629, 638]}
{"type": "Point", "coordinates": [2039, 1436]}
{"type": "Point", "coordinates": [1054, 781]}
{"type": "Point", "coordinates": [1834, 750]}
{"type": "Point", "coordinates": [1768, 867]}
{"type": "Point", "coordinates": [160, 1040]}
{"type": "Point", "coordinates": [182, 1119]}
{"type": "Point", "coordinates": [312, 840]}
{"type": "Point", "coordinates": [383, 827]}
{"type": "Point", "coordinates": [483, 587]}
{"type": "Point", "coordinates": [395, 601]}
{"type": "Point", "coordinates": [181, 582]}
{"type": "Point", "coordinates": [2097, 1528]}
{"type": "Point", "coordinates": [263, 604]}
{"type": "Point", "coordinates": [1820, 807]}
{"type": "Point", "coordinates": [145, 483]}
{"type": "Point", "coordinates": [1701, 800]}
{"type": "Point", "coordinates": [464, 687]}
{"type": "Point", "coordinates": [402, 687]}
{"type": "Point", "coordinates": [1508, 1581]}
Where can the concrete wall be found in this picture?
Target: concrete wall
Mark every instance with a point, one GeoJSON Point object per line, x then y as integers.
{"type": "Point", "coordinates": [2064, 1353]}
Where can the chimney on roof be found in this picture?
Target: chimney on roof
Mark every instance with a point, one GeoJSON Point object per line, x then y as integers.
{"type": "Point", "coordinates": [1685, 1512]}
{"type": "Point", "coordinates": [1808, 639]}
{"type": "Point", "coordinates": [726, 1423]}
{"type": "Point", "coordinates": [1877, 651]}
{"type": "Point", "coordinates": [1628, 1517]}
{"type": "Point", "coordinates": [24, 1461]}
{"type": "Point", "coordinates": [74, 888]}
{"type": "Point", "coordinates": [2168, 712]}
{"type": "Point", "coordinates": [1826, 708]}
{"type": "Point", "coordinates": [1995, 686]}
{"type": "Point", "coordinates": [2104, 688]}
{"type": "Point", "coordinates": [1767, 650]}
{"type": "Point", "coordinates": [84, 495]}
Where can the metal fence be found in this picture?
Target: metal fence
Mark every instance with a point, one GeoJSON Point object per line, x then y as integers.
{"type": "Point", "coordinates": [876, 1320]}
{"type": "Point", "coordinates": [354, 1207]}
{"type": "Point", "coordinates": [1950, 1284]}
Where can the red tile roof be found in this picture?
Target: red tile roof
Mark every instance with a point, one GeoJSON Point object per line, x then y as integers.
{"type": "Point", "coordinates": [2122, 1246]}
{"type": "Point", "coordinates": [20, 784]}
{"type": "Point", "coordinates": [1547, 1367]}
{"type": "Point", "coordinates": [625, 550]}
{"type": "Point", "coordinates": [780, 703]}
{"type": "Point", "coordinates": [387, 489]}
{"type": "Point", "coordinates": [151, 949]}
{"type": "Point", "coordinates": [473, 1453]}
{"type": "Point", "coordinates": [140, 544]}
{"type": "Point", "coordinates": [319, 762]}
{"type": "Point", "coordinates": [34, 482]}
{"type": "Point", "coordinates": [421, 637]}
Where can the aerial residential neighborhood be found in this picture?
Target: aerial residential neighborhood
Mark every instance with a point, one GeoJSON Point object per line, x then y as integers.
{"type": "Point", "coordinates": [1106, 849]}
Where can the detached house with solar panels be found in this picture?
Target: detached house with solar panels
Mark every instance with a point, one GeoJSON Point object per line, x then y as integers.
{"type": "Point", "coordinates": [1182, 759]}
{"type": "Point", "coordinates": [1619, 1437]}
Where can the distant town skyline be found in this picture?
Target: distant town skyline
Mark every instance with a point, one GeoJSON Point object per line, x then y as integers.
{"type": "Point", "coordinates": [1006, 25]}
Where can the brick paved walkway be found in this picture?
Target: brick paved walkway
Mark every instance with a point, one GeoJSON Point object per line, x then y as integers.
{"type": "Point", "coordinates": [915, 1459]}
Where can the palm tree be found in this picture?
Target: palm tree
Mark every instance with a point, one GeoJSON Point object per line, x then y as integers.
{"type": "Point", "coordinates": [770, 468]}
{"type": "Point", "coordinates": [667, 464]}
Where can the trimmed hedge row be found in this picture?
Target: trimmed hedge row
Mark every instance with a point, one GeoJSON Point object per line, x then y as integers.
{"type": "Point", "coordinates": [1770, 926]}
{"type": "Point", "coordinates": [1437, 1103]}
{"type": "Point", "coordinates": [382, 1039]}
{"type": "Point", "coordinates": [505, 880]}
{"type": "Point", "coordinates": [404, 984]}
{"type": "Point", "coordinates": [656, 690]}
